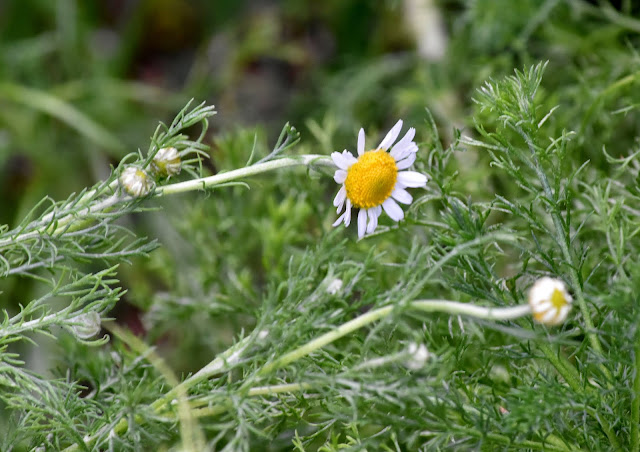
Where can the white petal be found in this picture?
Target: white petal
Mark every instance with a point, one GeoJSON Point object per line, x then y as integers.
{"type": "Point", "coordinates": [361, 142]}
{"type": "Point", "coordinates": [339, 160]}
{"type": "Point", "coordinates": [401, 195]}
{"type": "Point", "coordinates": [373, 219]}
{"type": "Point", "coordinates": [412, 179]}
{"type": "Point", "coordinates": [401, 145]}
{"type": "Point", "coordinates": [340, 176]}
{"type": "Point", "coordinates": [403, 152]}
{"type": "Point", "coordinates": [391, 136]}
{"type": "Point", "coordinates": [543, 305]}
{"type": "Point", "coordinates": [349, 158]}
{"type": "Point", "coordinates": [549, 316]}
{"type": "Point", "coordinates": [402, 164]}
{"type": "Point", "coordinates": [339, 220]}
{"type": "Point", "coordinates": [347, 214]}
{"type": "Point", "coordinates": [338, 201]}
{"type": "Point", "coordinates": [393, 209]}
{"type": "Point", "coordinates": [362, 222]}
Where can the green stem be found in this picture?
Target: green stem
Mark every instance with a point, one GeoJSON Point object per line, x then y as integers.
{"type": "Point", "coordinates": [221, 178]}
{"type": "Point", "coordinates": [215, 367]}
{"type": "Point", "coordinates": [222, 362]}
{"type": "Point", "coordinates": [450, 307]}
{"type": "Point", "coordinates": [521, 445]}
{"type": "Point", "coordinates": [606, 428]}
{"type": "Point", "coordinates": [562, 240]}
{"type": "Point", "coordinates": [76, 220]}
{"type": "Point", "coordinates": [564, 368]}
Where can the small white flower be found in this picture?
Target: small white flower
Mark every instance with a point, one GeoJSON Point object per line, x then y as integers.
{"type": "Point", "coordinates": [374, 181]}
{"type": "Point", "coordinates": [417, 356]}
{"type": "Point", "coordinates": [135, 181]}
{"type": "Point", "coordinates": [334, 286]}
{"type": "Point", "coordinates": [550, 301]}
{"type": "Point", "coordinates": [166, 162]}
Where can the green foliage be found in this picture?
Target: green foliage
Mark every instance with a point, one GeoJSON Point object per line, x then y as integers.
{"type": "Point", "coordinates": [246, 322]}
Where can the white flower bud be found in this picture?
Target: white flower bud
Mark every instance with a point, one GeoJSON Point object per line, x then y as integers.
{"type": "Point", "coordinates": [550, 301]}
{"type": "Point", "coordinates": [85, 326]}
{"type": "Point", "coordinates": [166, 162]}
{"type": "Point", "coordinates": [417, 356]}
{"type": "Point", "coordinates": [334, 286]}
{"type": "Point", "coordinates": [135, 181]}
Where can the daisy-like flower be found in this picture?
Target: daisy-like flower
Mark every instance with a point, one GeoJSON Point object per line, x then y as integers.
{"type": "Point", "coordinates": [550, 301]}
{"type": "Point", "coordinates": [375, 180]}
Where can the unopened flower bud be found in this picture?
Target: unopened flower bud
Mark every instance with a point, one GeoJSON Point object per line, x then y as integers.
{"type": "Point", "coordinates": [334, 286]}
{"type": "Point", "coordinates": [166, 162]}
{"type": "Point", "coordinates": [86, 325]}
{"type": "Point", "coordinates": [135, 181]}
{"type": "Point", "coordinates": [417, 356]}
{"type": "Point", "coordinates": [550, 301]}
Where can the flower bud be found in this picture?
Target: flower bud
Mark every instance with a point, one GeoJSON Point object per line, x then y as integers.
{"type": "Point", "coordinates": [135, 181]}
{"type": "Point", "coordinates": [550, 301]}
{"type": "Point", "coordinates": [417, 356]}
{"type": "Point", "coordinates": [166, 162]}
{"type": "Point", "coordinates": [334, 286]}
{"type": "Point", "coordinates": [86, 325]}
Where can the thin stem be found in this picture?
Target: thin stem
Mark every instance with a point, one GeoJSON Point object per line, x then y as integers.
{"type": "Point", "coordinates": [561, 239]}
{"type": "Point", "coordinates": [450, 307]}
{"type": "Point", "coordinates": [63, 223]}
{"type": "Point", "coordinates": [219, 364]}
{"type": "Point", "coordinates": [215, 367]}
{"type": "Point", "coordinates": [221, 178]}
{"type": "Point", "coordinates": [71, 221]}
{"type": "Point", "coordinates": [606, 427]}
{"type": "Point", "coordinates": [223, 361]}
{"type": "Point", "coordinates": [564, 368]}
{"type": "Point", "coordinates": [526, 444]}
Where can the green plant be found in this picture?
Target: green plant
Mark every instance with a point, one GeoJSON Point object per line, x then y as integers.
{"type": "Point", "coordinates": [350, 345]}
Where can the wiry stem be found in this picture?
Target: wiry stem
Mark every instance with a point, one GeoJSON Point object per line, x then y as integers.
{"type": "Point", "coordinates": [221, 178]}
{"type": "Point", "coordinates": [562, 240]}
{"type": "Point", "coordinates": [222, 362]}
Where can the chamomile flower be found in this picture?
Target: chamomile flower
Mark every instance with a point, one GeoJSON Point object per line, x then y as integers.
{"type": "Point", "coordinates": [376, 180]}
{"type": "Point", "coordinates": [550, 301]}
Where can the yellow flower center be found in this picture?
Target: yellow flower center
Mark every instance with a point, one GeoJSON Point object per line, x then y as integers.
{"type": "Point", "coordinates": [371, 179]}
{"type": "Point", "coordinates": [558, 299]}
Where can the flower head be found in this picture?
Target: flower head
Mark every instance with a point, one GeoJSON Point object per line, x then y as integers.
{"type": "Point", "coordinates": [135, 181]}
{"type": "Point", "coordinates": [166, 162]}
{"type": "Point", "coordinates": [550, 301]}
{"type": "Point", "coordinates": [375, 180]}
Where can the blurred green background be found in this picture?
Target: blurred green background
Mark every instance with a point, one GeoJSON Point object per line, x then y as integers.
{"type": "Point", "coordinates": [84, 83]}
